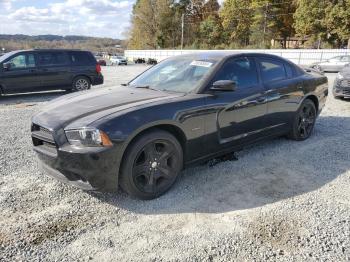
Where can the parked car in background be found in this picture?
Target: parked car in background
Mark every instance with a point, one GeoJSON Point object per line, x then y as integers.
{"type": "Point", "coordinates": [341, 88]}
{"type": "Point", "coordinates": [139, 61]}
{"type": "Point", "coordinates": [48, 69]}
{"type": "Point", "coordinates": [118, 60]}
{"type": "Point", "coordinates": [152, 61]}
{"type": "Point", "coordinates": [101, 61]}
{"type": "Point", "coordinates": [334, 64]}
{"type": "Point", "coordinates": [186, 109]}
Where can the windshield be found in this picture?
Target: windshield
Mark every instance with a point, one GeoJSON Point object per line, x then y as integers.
{"type": "Point", "coordinates": [176, 74]}
{"type": "Point", "coordinates": [336, 58]}
{"type": "Point", "coordinates": [5, 56]}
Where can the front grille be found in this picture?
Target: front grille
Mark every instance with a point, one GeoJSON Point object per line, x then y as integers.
{"type": "Point", "coordinates": [345, 83]}
{"type": "Point", "coordinates": [43, 139]}
{"type": "Point", "coordinates": [346, 92]}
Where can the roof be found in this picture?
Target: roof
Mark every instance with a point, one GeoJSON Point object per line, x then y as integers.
{"type": "Point", "coordinates": [45, 49]}
{"type": "Point", "coordinates": [218, 55]}
{"type": "Point", "coordinates": [207, 55]}
{"type": "Point", "coordinates": [54, 49]}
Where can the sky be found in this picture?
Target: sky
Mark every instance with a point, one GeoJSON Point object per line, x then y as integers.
{"type": "Point", "coordinates": [101, 18]}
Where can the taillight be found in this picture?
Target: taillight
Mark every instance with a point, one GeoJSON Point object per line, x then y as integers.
{"type": "Point", "coordinates": [98, 68]}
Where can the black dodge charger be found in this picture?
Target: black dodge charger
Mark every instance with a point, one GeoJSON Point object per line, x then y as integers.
{"type": "Point", "coordinates": [186, 109]}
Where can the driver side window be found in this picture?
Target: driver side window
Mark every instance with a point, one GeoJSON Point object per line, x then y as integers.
{"type": "Point", "coordinates": [22, 61]}
{"type": "Point", "coordinates": [240, 70]}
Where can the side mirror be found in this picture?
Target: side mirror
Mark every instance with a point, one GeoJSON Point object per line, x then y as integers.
{"type": "Point", "coordinates": [7, 66]}
{"type": "Point", "coordinates": [223, 85]}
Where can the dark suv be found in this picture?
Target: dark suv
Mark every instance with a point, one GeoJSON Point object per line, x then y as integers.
{"type": "Point", "coordinates": [39, 70]}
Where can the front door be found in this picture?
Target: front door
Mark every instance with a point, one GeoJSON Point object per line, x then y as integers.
{"type": "Point", "coordinates": [239, 115]}
{"type": "Point", "coordinates": [22, 75]}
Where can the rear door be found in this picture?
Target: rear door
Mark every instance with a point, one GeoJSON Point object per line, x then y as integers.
{"type": "Point", "coordinates": [283, 91]}
{"type": "Point", "coordinates": [83, 63]}
{"type": "Point", "coordinates": [54, 69]}
{"type": "Point", "coordinates": [22, 75]}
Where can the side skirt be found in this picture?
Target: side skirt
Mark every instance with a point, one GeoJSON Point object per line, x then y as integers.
{"type": "Point", "coordinates": [232, 149]}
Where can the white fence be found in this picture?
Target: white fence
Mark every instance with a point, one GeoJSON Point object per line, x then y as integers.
{"type": "Point", "coordinates": [298, 56]}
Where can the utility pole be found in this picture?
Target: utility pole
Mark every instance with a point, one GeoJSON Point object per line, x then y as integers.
{"type": "Point", "coordinates": [182, 30]}
{"type": "Point", "coordinates": [265, 20]}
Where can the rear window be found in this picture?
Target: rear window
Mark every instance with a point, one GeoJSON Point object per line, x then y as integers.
{"type": "Point", "coordinates": [82, 58]}
{"type": "Point", "coordinates": [289, 70]}
{"type": "Point", "coordinates": [272, 70]}
{"type": "Point", "coordinates": [52, 58]}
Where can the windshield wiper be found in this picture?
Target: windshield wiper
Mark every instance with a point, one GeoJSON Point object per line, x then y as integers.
{"type": "Point", "coordinates": [142, 86]}
{"type": "Point", "coordinates": [138, 86]}
{"type": "Point", "coordinates": [145, 87]}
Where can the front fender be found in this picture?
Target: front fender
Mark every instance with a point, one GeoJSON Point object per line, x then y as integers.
{"type": "Point", "coordinates": [184, 116]}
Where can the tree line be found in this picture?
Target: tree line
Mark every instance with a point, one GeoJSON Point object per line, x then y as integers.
{"type": "Point", "coordinates": [157, 24]}
{"type": "Point", "coordinates": [94, 44]}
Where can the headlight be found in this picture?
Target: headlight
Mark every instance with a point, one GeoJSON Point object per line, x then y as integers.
{"type": "Point", "coordinates": [88, 137]}
{"type": "Point", "coordinates": [340, 76]}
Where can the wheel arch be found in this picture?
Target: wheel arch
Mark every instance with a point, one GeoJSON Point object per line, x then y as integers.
{"type": "Point", "coordinates": [314, 99]}
{"type": "Point", "coordinates": [84, 75]}
{"type": "Point", "coordinates": [173, 129]}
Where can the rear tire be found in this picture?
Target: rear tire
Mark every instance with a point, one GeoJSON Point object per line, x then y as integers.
{"type": "Point", "coordinates": [81, 83]}
{"type": "Point", "coordinates": [151, 165]}
{"type": "Point", "coordinates": [304, 121]}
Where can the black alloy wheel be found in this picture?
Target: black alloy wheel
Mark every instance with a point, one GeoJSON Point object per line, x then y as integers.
{"type": "Point", "coordinates": [152, 165]}
{"type": "Point", "coordinates": [304, 121]}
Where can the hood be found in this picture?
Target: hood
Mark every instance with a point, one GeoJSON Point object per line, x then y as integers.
{"type": "Point", "coordinates": [81, 109]}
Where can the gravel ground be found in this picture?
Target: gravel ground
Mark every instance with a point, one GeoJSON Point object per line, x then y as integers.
{"type": "Point", "coordinates": [282, 200]}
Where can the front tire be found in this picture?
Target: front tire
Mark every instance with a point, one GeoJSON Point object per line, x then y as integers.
{"type": "Point", "coordinates": [304, 121]}
{"type": "Point", "coordinates": [81, 83]}
{"type": "Point", "coordinates": [152, 164]}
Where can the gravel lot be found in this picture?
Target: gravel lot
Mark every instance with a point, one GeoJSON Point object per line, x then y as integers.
{"type": "Point", "coordinates": [282, 200]}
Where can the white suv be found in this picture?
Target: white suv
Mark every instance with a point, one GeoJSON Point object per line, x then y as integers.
{"type": "Point", "coordinates": [118, 60]}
